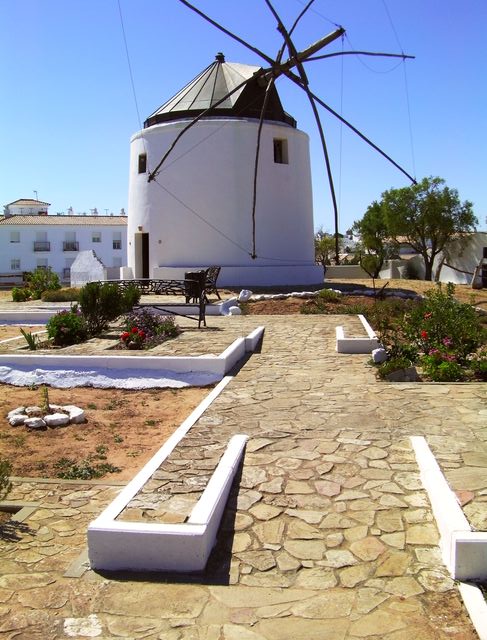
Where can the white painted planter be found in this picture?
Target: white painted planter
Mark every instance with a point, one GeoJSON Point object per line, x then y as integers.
{"type": "Point", "coordinates": [357, 345]}
{"type": "Point", "coordinates": [115, 545]}
{"type": "Point", "coordinates": [464, 551]}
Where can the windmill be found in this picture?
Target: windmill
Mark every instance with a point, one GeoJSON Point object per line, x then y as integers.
{"type": "Point", "coordinates": [293, 67]}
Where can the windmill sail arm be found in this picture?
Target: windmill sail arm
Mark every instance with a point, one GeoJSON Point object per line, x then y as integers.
{"type": "Point", "coordinates": [404, 56]}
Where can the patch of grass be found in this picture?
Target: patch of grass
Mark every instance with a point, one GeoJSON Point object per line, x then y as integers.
{"type": "Point", "coordinates": [117, 438]}
{"type": "Point", "coordinates": [151, 423]}
{"type": "Point", "coordinates": [69, 469]}
{"type": "Point", "coordinates": [91, 405]}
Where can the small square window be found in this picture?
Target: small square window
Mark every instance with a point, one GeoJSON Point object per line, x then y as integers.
{"type": "Point", "coordinates": [280, 151]}
{"type": "Point", "coordinates": [15, 236]}
{"type": "Point", "coordinates": [142, 163]}
{"type": "Point", "coordinates": [96, 236]}
{"type": "Point", "coordinates": [15, 264]}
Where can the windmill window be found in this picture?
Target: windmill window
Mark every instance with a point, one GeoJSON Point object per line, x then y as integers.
{"type": "Point", "coordinates": [142, 163]}
{"type": "Point", "coordinates": [280, 151]}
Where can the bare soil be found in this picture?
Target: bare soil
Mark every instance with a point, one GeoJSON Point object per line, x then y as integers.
{"type": "Point", "coordinates": [463, 293]}
{"type": "Point", "coordinates": [13, 331]}
{"type": "Point", "coordinates": [130, 425]}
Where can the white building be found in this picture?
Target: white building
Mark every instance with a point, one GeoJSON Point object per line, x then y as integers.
{"type": "Point", "coordinates": [26, 206]}
{"type": "Point", "coordinates": [198, 211]}
{"type": "Point", "coordinates": [42, 240]}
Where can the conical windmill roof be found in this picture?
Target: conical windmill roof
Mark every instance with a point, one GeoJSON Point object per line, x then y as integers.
{"type": "Point", "coordinates": [213, 84]}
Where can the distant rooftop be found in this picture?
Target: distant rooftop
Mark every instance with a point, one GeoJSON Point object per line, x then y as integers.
{"type": "Point", "coordinates": [213, 84]}
{"type": "Point", "coordinates": [28, 202]}
{"type": "Point", "coordinates": [55, 220]}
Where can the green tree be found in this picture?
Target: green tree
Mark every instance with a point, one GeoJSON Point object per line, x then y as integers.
{"type": "Point", "coordinates": [324, 248]}
{"type": "Point", "coordinates": [426, 216]}
{"type": "Point", "coordinates": [375, 239]}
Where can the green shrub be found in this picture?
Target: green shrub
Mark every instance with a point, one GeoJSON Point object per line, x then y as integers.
{"type": "Point", "coordinates": [20, 294]}
{"type": "Point", "coordinates": [101, 303]}
{"type": "Point", "coordinates": [441, 323]}
{"type": "Point", "coordinates": [67, 327]}
{"type": "Point", "coordinates": [328, 295]}
{"type": "Point", "coordinates": [5, 471]}
{"type": "Point", "coordinates": [42, 280]}
{"type": "Point", "coordinates": [68, 294]}
{"type": "Point", "coordinates": [442, 369]}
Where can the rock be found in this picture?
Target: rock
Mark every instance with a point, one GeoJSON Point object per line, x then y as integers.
{"type": "Point", "coordinates": [15, 412]}
{"type": "Point", "coordinates": [33, 411]}
{"type": "Point", "coordinates": [379, 355]}
{"type": "Point", "coordinates": [403, 375]}
{"type": "Point", "coordinates": [56, 419]}
{"type": "Point", "coordinates": [35, 423]}
{"type": "Point", "coordinates": [235, 311]}
{"type": "Point", "coordinates": [18, 419]}
{"type": "Point", "coordinates": [76, 415]}
{"type": "Point", "coordinates": [244, 295]}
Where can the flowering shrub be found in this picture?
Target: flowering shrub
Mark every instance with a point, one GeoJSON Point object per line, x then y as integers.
{"type": "Point", "coordinates": [133, 339]}
{"type": "Point", "coordinates": [144, 329]}
{"type": "Point", "coordinates": [67, 327]}
{"type": "Point", "coordinates": [442, 335]}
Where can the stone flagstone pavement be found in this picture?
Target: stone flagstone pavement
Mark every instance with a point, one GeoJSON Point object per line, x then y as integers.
{"type": "Point", "coordinates": [327, 535]}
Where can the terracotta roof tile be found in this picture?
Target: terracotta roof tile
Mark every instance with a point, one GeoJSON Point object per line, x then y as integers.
{"type": "Point", "coordinates": [59, 221]}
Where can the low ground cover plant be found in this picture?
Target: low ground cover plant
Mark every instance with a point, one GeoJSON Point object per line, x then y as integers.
{"type": "Point", "coordinates": [68, 294]}
{"type": "Point", "coordinates": [144, 329]}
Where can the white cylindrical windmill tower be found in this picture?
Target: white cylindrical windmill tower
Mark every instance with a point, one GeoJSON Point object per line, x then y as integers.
{"type": "Point", "coordinates": [197, 212]}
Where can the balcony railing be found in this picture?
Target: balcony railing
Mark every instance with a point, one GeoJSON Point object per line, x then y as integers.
{"type": "Point", "coordinates": [42, 245]}
{"type": "Point", "coordinates": [71, 246]}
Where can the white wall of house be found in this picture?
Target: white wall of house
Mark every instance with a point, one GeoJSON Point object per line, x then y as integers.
{"type": "Point", "coordinates": [198, 213]}
{"type": "Point", "coordinates": [24, 247]}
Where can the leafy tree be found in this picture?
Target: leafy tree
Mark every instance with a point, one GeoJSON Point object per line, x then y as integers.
{"type": "Point", "coordinates": [375, 239]}
{"type": "Point", "coordinates": [426, 216]}
{"type": "Point", "coordinates": [324, 248]}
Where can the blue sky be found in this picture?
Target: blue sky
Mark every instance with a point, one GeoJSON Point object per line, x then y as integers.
{"type": "Point", "coordinates": [67, 110]}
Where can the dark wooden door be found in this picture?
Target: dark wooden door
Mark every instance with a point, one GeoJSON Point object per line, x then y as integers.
{"type": "Point", "coordinates": [145, 255]}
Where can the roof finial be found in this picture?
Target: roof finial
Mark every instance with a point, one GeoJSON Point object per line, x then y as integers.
{"type": "Point", "coordinates": [220, 57]}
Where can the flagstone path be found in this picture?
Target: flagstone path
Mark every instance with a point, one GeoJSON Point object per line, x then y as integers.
{"type": "Point", "coordinates": [328, 534]}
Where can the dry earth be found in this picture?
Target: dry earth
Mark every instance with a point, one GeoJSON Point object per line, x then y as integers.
{"type": "Point", "coordinates": [130, 425]}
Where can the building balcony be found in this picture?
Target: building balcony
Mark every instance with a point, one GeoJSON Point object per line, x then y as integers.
{"type": "Point", "coordinates": [71, 246]}
{"type": "Point", "coordinates": [42, 245]}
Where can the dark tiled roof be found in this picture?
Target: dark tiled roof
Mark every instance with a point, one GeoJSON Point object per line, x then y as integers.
{"type": "Point", "coordinates": [211, 85]}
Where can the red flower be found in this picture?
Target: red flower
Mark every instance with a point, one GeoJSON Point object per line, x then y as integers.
{"type": "Point", "coordinates": [135, 330]}
{"type": "Point", "coordinates": [424, 335]}
{"type": "Point", "coordinates": [124, 335]}
{"type": "Point", "coordinates": [141, 334]}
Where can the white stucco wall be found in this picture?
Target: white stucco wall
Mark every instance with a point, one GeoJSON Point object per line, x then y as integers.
{"type": "Point", "coordinates": [464, 255]}
{"type": "Point", "coordinates": [56, 235]}
{"type": "Point", "coordinates": [209, 177]}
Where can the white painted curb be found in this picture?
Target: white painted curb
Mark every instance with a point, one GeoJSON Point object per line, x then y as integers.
{"type": "Point", "coordinates": [476, 606]}
{"type": "Point", "coordinates": [217, 365]}
{"type": "Point", "coordinates": [357, 345]}
{"type": "Point", "coordinates": [117, 545]}
{"type": "Point", "coordinates": [464, 551]}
